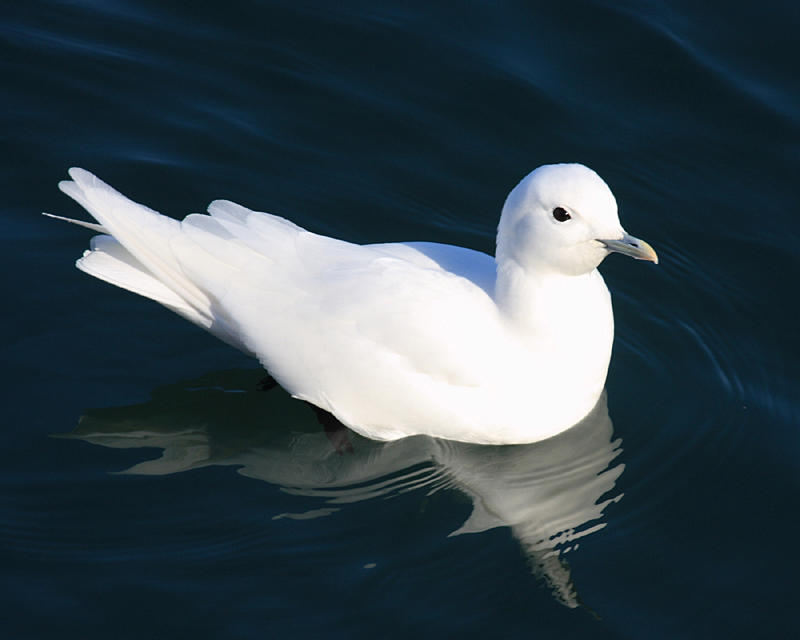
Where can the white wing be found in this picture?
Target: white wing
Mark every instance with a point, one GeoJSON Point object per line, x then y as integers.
{"type": "Point", "coordinates": [380, 335]}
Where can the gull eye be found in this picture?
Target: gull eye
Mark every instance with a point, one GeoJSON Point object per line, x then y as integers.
{"type": "Point", "coordinates": [560, 214]}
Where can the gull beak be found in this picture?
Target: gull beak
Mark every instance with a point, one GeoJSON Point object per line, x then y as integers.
{"type": "Point", "coordinates": [632, 247]}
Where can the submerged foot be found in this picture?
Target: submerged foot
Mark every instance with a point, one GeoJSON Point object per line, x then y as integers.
{"type": "Point", "coordinates": [337, 433]}
{"type": "Point", "coordinates": [267, 383]}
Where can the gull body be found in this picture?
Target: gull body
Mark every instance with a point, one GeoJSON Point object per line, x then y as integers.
{"type": "Point", "coordinates": [393, 339]}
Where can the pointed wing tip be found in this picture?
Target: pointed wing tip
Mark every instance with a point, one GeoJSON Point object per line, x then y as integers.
{"type": "Point", "coordinates": [66, 186]}
{"type": "Point", "coordinates": [80, 175]}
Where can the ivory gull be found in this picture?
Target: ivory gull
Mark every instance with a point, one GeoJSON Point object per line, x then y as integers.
{"type": "Point", "coordinates": [393, 339]}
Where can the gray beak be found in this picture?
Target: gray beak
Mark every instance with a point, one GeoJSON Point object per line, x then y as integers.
{"type": "Point", "coordinates": [633, 247]}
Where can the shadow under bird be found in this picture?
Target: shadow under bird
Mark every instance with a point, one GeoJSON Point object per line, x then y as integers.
{"type": "Point", "coordinates": [393, 339]}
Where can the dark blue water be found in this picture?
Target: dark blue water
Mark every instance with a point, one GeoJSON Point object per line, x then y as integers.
{"type": "Point", "coordinates": [670, 513]}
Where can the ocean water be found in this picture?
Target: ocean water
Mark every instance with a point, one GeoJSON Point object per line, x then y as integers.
{"type": "Point", "coordinates": [151, 489]}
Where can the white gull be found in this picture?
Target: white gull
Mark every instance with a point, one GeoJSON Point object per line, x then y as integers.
{"type": "Point", "coordinates": [393, 339]}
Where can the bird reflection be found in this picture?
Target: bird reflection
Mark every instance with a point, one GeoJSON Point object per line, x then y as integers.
{"type": "Point", "coordinates": [549, 493]}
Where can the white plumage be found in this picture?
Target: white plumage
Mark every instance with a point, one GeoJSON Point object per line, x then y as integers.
{"type": "Point", "coordinates": [393, 339]}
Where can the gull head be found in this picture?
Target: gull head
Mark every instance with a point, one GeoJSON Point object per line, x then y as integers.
{"type": "Point", "coordinates": [562, 218]}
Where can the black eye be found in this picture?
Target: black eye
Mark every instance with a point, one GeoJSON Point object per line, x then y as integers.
{"type": "Point", "coordinates": [560, 214]}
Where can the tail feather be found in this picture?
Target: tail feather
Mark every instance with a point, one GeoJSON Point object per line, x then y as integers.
{"type": "Point", "coordinates": [86, 225]}
{"type": "Point", "coordinates": [158, 257]}
{"type": "Point", "coordinates": [108, 260]}
{"type": "Point", "coordinates": [145, 233]}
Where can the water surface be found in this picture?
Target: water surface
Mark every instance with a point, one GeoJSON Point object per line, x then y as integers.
{"type": "Point", "coordinates": [187, 503]}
